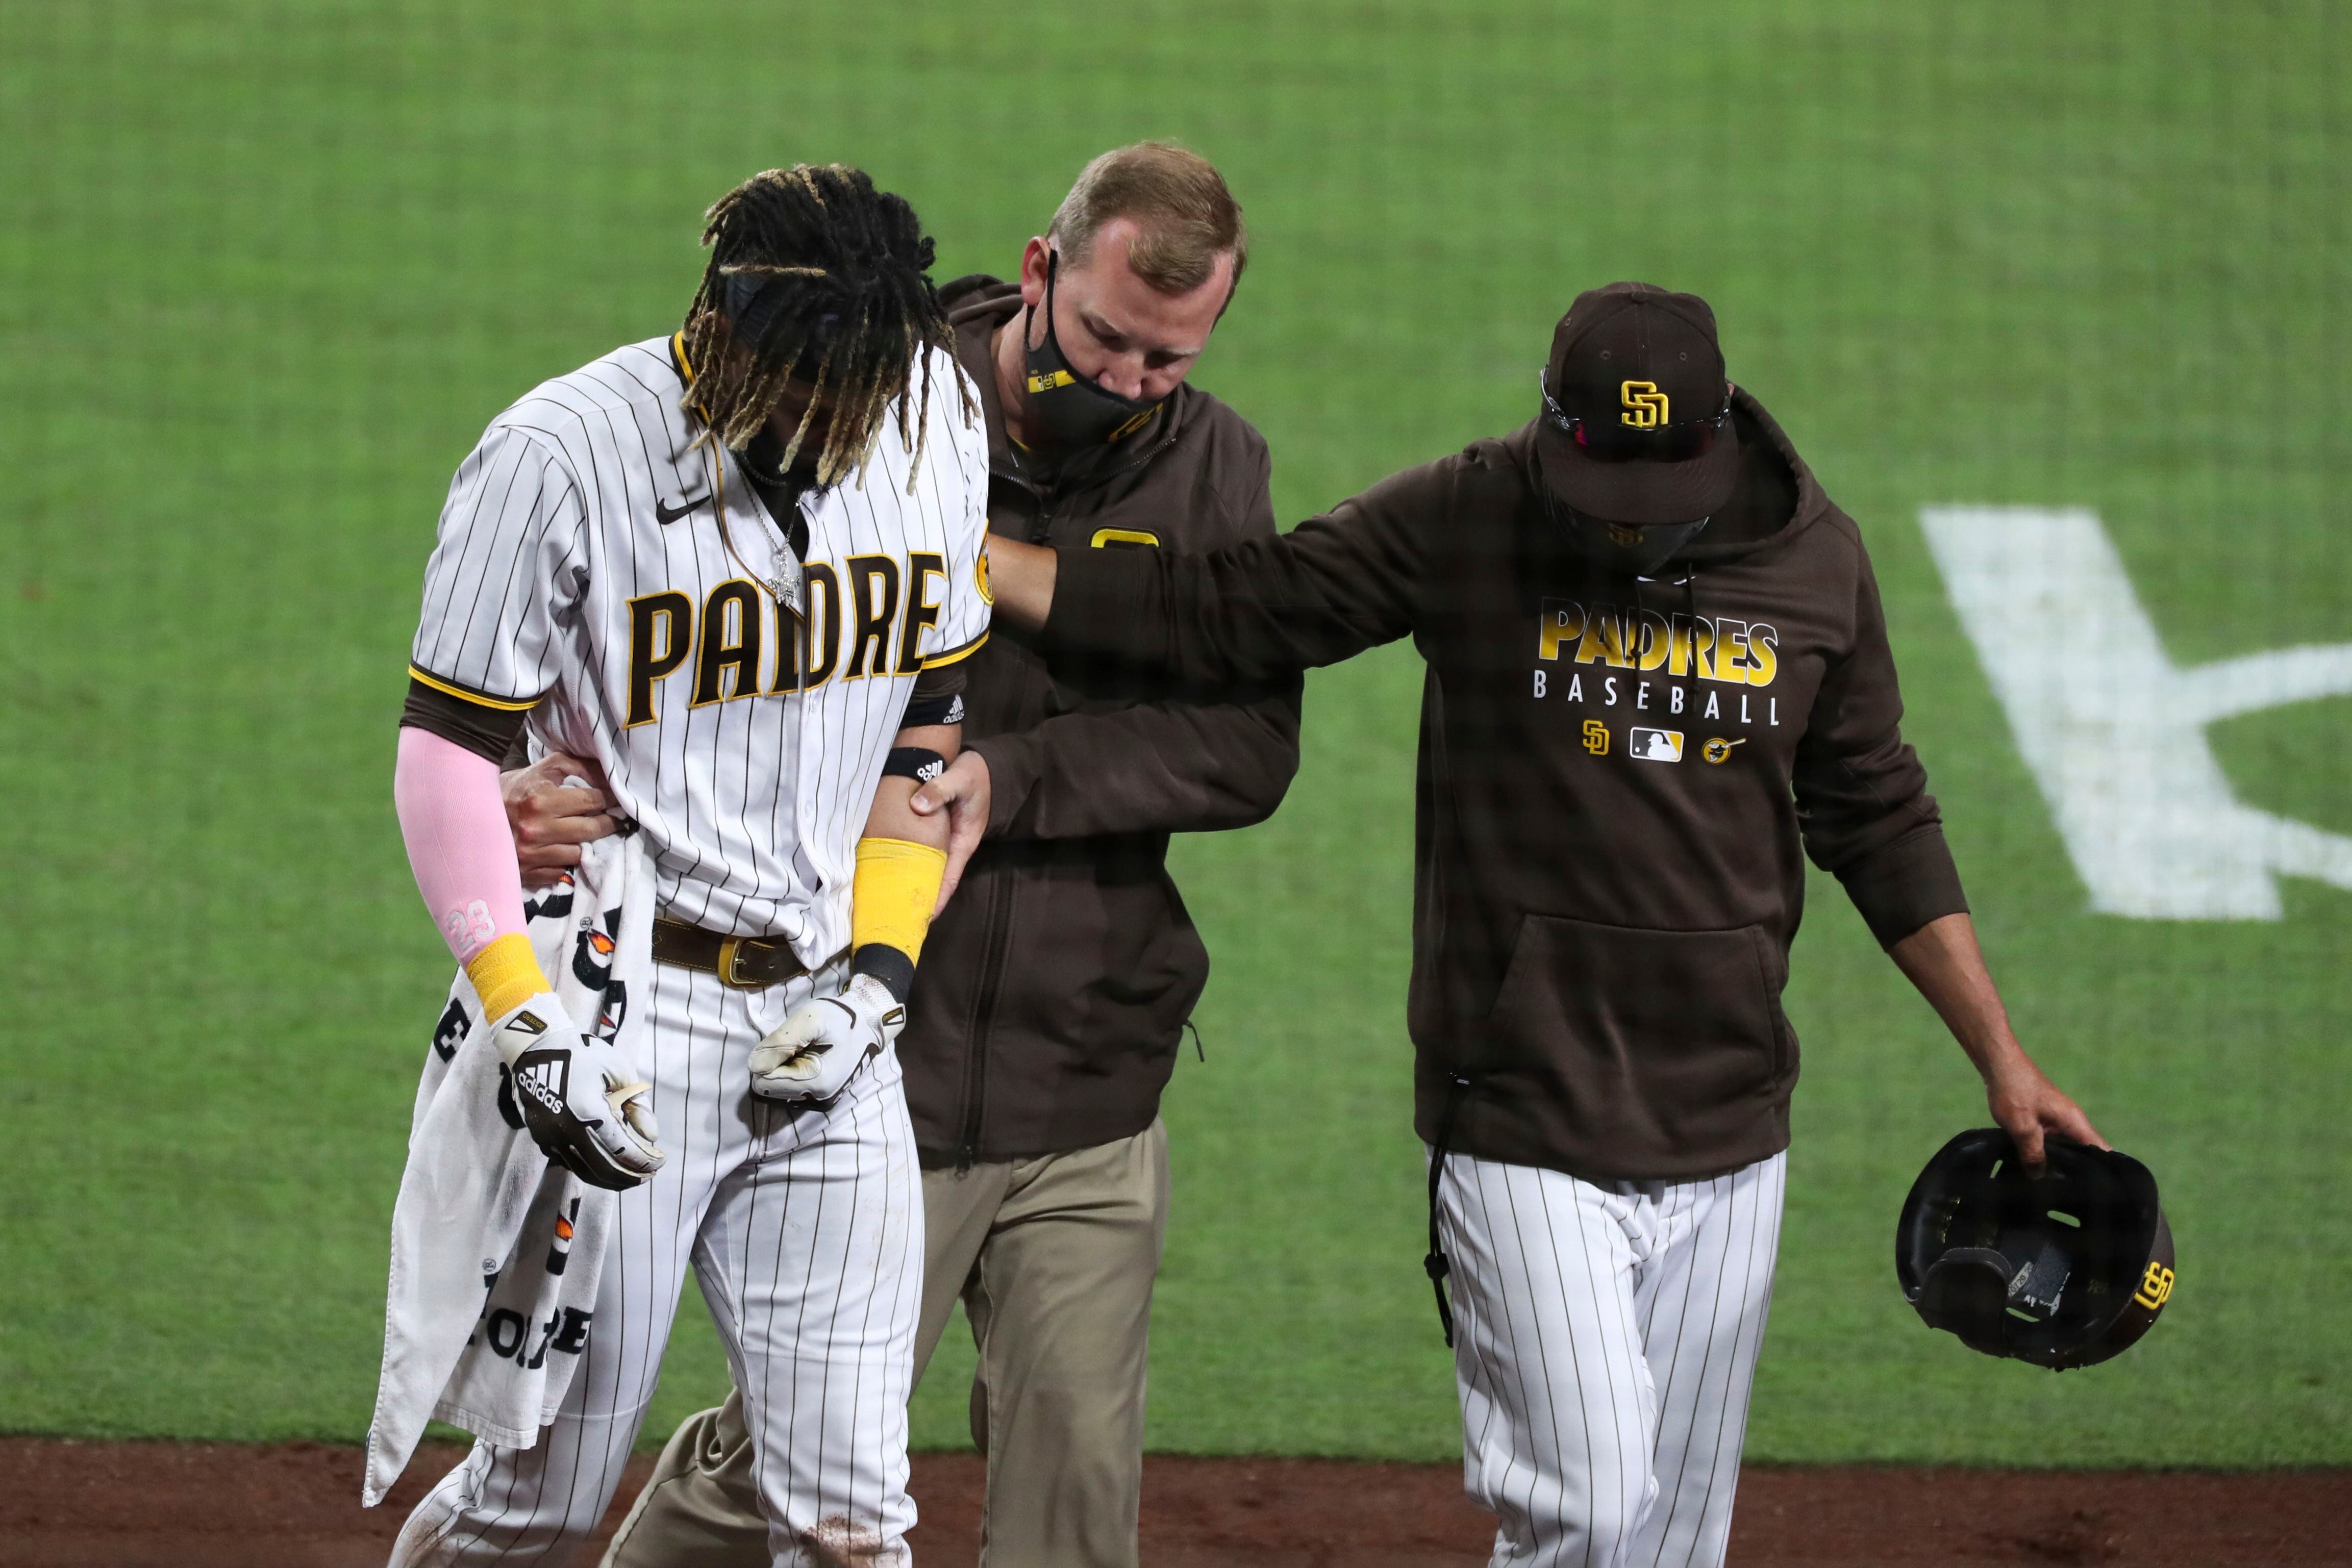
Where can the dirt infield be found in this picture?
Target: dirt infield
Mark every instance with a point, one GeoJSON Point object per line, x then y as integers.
{"type": "Point", "coordinates": [133, 1505]}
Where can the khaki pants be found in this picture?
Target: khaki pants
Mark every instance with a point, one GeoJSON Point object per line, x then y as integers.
{"type": "Point", "coordinates": [1054, 1259]}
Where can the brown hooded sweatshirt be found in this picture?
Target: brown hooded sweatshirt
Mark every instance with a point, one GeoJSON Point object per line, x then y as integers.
{"type": "Point", "coordinates": [1616, 776]}
{"type": "Point", "coordinates": [1054, 988]}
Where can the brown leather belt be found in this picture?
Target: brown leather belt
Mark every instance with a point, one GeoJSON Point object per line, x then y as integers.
{"type": "Point", "coordinates": [746, 963]}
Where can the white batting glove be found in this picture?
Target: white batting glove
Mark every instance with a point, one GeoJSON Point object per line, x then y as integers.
{"type": "Point", "coordinates": [580, 1097]}
{"type": "Point", "coordinates": [821, 1043]}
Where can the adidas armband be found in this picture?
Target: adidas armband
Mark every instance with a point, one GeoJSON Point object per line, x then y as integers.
{"type": "Point", "coordinates": [919, 763]}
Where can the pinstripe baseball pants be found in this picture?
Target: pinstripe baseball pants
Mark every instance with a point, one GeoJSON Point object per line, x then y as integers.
{"type": "Point", "coordinates": [805, 1229]}
{"type": "Point", "coordinates": [1605, 1341]}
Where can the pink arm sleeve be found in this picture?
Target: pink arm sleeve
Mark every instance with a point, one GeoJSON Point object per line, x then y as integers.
{"type": "Point", "coordinates": [454, 820]}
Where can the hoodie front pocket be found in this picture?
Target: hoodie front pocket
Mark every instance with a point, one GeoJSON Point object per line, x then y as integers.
{"type": "Point", "coordinates": [1659, 1044]}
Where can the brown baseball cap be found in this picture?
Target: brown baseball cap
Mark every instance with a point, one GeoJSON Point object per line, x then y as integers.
{"type": "Point", "coordinates": [1637, 425]}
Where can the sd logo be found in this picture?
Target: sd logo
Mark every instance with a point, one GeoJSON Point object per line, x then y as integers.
{"type": "Point", "coordinates": [1645, 406]}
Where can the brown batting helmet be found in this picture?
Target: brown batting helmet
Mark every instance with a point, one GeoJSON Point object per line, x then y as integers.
{"type": "Point", "coordinates": [2063, 1268]}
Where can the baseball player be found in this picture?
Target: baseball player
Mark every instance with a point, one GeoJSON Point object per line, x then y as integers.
{"type": "Point", "coordinates": [1657, 669]}
{"type": "Point", "coordinates": [737, 569]}
{"type": "Point", "coordinates": [1045, 1021]}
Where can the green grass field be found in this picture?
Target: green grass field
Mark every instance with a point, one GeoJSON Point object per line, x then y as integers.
{"type": "Point", "coordinates": [265, 270]}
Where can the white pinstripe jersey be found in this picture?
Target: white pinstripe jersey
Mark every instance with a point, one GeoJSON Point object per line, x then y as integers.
{"type": "Point", "coordinates": [581, 559]}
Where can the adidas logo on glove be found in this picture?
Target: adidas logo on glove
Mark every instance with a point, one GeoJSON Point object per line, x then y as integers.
{"type": "Point", "coordinates": [545, 1076]}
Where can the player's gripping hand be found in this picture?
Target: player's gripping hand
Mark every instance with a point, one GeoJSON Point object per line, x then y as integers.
{"type": "Point", "coordinates": [823, 1042]}
{"type": "Point", "coordinates": [580, 1097]}
{"type": "Point", "coordinates": [551, 818]}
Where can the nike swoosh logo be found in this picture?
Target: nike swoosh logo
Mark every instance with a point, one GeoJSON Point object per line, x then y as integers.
{"type": "Point", "coordinates": [665, 514]}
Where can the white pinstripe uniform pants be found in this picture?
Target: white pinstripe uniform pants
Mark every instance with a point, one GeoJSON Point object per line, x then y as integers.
{"type": "Point", "coordinates": [805, 1228]}
{"type": "Point", "coordinates": [1605, 1342]}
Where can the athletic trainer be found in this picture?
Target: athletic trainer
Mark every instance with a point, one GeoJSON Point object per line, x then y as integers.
{"type": "Point", "coordinates": [1045, 1020]}
{"type": "Point", "coordinates": [1657, 667]}
{"type": "Point", "coordinates": [736, 568]}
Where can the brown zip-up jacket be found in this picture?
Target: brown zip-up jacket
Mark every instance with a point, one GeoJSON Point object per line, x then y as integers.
{"type": "Point", "coordinates": [1616, 778]}
{"type": "Point", "coordinates": [1053, 989]}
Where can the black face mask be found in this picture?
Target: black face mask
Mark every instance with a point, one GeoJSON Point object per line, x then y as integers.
{"type": "Point", "coordinates": [1623, 547]}
{"type": "Point", "coordinates": [1073, 409]}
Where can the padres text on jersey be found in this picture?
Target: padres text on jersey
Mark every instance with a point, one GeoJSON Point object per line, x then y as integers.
{"type": "Point", "coordinates": [591, 555]}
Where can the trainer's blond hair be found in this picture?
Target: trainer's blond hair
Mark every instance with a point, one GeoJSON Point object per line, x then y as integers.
{"type": "Point", "coordinates": [1176, 198]}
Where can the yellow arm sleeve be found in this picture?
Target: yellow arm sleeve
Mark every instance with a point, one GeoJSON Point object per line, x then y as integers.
{"type": "Point", "coordinates": [507, 974]}
{"type": "Point", "coordinates": [897, 883]}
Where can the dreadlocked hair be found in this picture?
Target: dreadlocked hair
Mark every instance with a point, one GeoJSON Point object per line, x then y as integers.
{"type": "Point", "coordinates": [857, 314]}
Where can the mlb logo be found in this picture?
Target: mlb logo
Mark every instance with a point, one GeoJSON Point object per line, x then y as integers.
{"type": "Point", "coordinates": [1656, 744]}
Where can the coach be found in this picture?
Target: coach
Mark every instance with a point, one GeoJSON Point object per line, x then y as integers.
{"type": "Point", "coordinates": [1658, 666]}
{"type": "Point", "coordinates": [1045, 1016]}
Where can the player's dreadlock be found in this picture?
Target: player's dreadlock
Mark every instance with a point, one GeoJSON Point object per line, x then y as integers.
{"type": "Point", "coordinates": [814, 276]}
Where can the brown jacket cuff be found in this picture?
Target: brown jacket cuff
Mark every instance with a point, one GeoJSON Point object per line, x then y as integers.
{"type": "Point", "coordinates": [1011, 776]}
{"type": "Point", "coordinates": [1902, 887]}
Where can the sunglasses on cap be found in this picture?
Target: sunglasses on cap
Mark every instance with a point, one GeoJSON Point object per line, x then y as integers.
{"type": "Point", "coordinates": [1622, 443]}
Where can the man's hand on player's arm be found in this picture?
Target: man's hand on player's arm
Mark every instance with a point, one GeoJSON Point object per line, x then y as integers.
{"type": "Point", "coordinates": [1943, 960]}
{"type": "Point", "coordinates": [901, 861]}
{"type": "Point", "coordinates": [962, 792]}
{"type": "Point", "coordinates": [551, 819]}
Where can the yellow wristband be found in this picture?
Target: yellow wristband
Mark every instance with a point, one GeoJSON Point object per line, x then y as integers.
{"type": "Point", "coordinates": [507, 974]}
{"type": "Point", "coordinates": [897, 883]}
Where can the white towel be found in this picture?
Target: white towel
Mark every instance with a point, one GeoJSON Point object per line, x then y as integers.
{"type": "Point", "coordinates": [495, 1251]}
